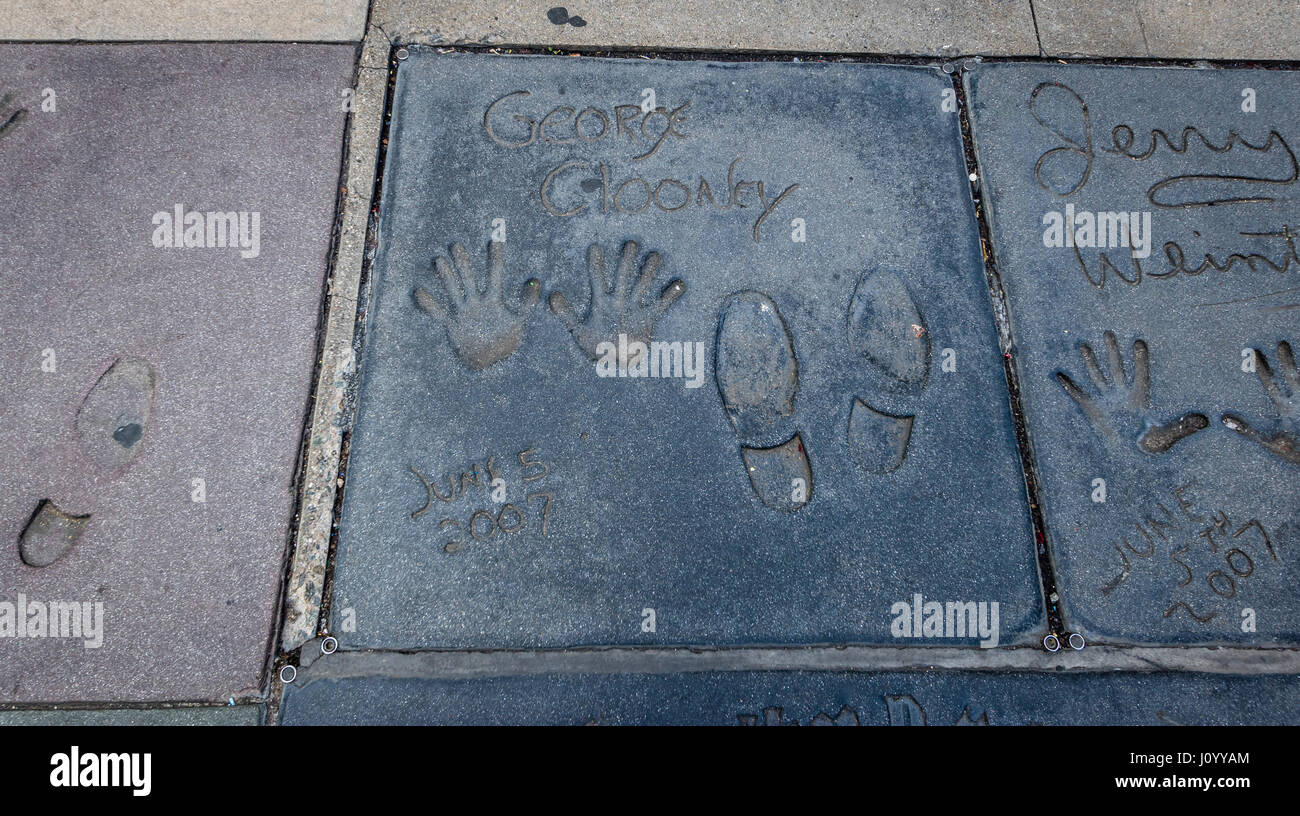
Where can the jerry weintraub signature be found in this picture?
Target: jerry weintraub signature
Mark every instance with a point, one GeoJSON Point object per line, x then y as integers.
{"type": "Point", "coordinates": [1124, 143]}
{"type": "Point", "coordinates": [1066, 168]}
{"type": "Point", "coordinates": [1181, 262]}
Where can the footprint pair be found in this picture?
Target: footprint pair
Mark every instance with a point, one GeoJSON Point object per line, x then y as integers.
{"type": "Point", "coordinates": [111, 423]}
{"type": "Point", "coordinates": [484, 329]}
{"type": "Point", "coordinates": [757, 372]}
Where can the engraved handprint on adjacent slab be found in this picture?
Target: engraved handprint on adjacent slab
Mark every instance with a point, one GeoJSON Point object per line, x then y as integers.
{"type": "Point", "coordinates": [1120, 409]}
{"type": "Point", "coordinates": [617, 307]}
{"type": "Point", "coordinates": [483, 330]}
{"type": "Point", "coordinates": [1282, 436]}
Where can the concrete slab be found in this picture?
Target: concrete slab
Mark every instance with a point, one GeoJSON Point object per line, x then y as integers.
{"type": "Point", "coordinates": [1220, 29]}
{"type": "Point", "coordinates": [1109, 28]}
{"type": "Point", "coordinates": [892, 27]}
{"type": "Point", "coordinates": [1156, 365]}
{"type": "Point", "coordinates": [1171, 29]}
{"type": "Point", "coordinates": [305, 21]}
{"type": "Point", "coordinates": [188, 715]}
{"type": "Point", "coordinates": [159, 390]}
{"type": "Point", "coordinates": [799, 698]}
{"type": "Point", "coordinates": [838, 443]}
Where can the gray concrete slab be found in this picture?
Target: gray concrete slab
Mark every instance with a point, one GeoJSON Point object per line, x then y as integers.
{"type": "Point", "coordinates": [844, 447]}
{"type": "Point", "coordinates": [893, 27]}
{"type": "Point", "coordinates": [158, 389]}
{"type": "Point", "coordinates": [304, 20]}
{"type": "Point", "coordinates": [1102, 28]}
{"type": "Point", "coordinates": [1171, 29]}
{"type": "Point", "coordinates": [184, 715]}
{"type": "Point", "coordinates": [799, 698]}
{"type": "Point", "coordinates": [1156, 364]}
{"type": "Point", "coordinates": [1220, 29]}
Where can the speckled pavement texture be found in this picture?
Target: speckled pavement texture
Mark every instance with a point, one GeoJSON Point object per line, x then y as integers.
{"type": "Point", "coordinates": [158, 389]}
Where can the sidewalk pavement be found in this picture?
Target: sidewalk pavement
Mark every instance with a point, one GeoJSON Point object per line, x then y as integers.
{"type": "Point", "coordinates": [934, 388]}
{"type": "Point", "coordinates": [1165, 29]}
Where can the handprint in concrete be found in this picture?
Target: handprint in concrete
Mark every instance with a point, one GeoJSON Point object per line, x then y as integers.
{"type": "Point", "coordinates": [1280, 437]}
{"type": "Point", "coordinates": [482, 328]}
{"type": "Point", "coordinates": [1119, 406]}
{"type": "Point", "coordinates": [617, 307]}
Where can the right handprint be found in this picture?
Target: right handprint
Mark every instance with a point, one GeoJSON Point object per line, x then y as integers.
{"type": "Point", "coordinates": [1121, 407]}
{"type": "Point", "coordinates": [1280, 437]}
{"type": "Point", "coordinates": [625, 305]}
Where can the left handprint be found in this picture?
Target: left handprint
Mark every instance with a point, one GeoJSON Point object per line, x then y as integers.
{"type": "Point", "coordinates": [483, 330]}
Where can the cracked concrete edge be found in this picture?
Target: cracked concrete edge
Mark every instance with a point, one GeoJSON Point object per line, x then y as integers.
{"type": "Point", "coordinates": [320, 482]}
{"type": "Point", "coordinates": [462, 665]}
{"type": "Point", "coordinates": [954, 28]}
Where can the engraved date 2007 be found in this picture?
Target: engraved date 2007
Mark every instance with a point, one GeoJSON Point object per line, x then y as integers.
{"type": "Point", "coordinates": [1210, 557]}
{"type": "Point", "coordinates": [499, 517]}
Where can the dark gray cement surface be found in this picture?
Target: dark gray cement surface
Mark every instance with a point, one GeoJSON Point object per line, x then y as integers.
{"type": "Point", "coordinates": [661, 496]}
{"type": "Point", "coordinates": [803, 698]}
{"type": "Point", "coordinates": [1196, 541]}
{"type": "Point", "coordinates": [189, 589]}
{"type": "Point", "coordinates": [187, 715]}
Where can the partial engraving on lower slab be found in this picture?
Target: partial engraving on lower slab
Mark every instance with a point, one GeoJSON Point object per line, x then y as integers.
{"type": "Point", "coordinates": [877, 441]}
{"type": "Point", "coordinates": [49, 535]}
{"type": "Point", "coordinates": [781, 476]}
